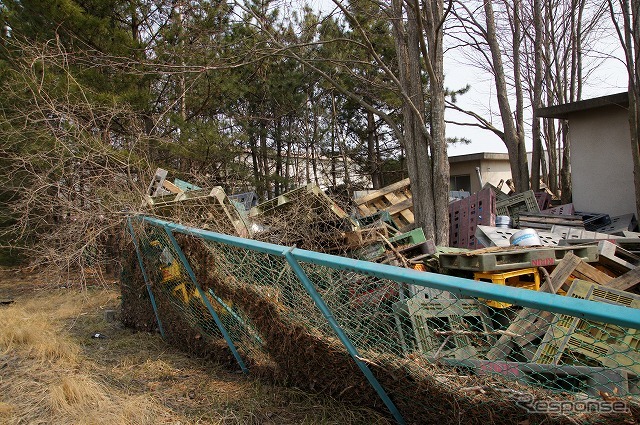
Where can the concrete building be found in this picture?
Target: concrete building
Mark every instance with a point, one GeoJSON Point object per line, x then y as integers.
{"type": "Point", "coordinates": [601, 162]}
{"type": "Point", "coordinates": [493, 168]}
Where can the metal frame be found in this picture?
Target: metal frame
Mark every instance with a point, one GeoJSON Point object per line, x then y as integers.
{"type": "Point", "coordinates": [617, 315]}
{"type": "Point", "coordinates": [353, 351]}
{"type": "Point", "coordinates": [205, 300]}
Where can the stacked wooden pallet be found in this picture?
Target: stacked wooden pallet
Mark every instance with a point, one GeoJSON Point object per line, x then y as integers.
{"type": "Point", "coordinates": [545, 221]}
{"type": "Point", "coordinates": [395, 199]}
{"type": "Point", "coordinates": [210, 209]}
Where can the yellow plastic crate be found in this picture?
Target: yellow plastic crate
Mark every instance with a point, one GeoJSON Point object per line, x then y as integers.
{"type": "Point", "coordinates": [528, 278]}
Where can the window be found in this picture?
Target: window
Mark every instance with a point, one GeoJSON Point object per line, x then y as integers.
{"type": "Point", "coordinates": [460, 183]}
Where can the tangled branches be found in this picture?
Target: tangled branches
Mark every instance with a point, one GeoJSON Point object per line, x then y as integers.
{"type": "Point", "coordinates": [71, 165]}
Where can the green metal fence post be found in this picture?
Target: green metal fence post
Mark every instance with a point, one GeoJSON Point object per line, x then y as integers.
{"type": "Point", "coordinates": [144, 275]}
{"type": "Point", "coordinates": [205, 300]}
{"type": "Point", "coordinates": [353, 351]}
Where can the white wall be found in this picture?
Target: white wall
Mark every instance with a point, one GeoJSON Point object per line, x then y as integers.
{"type": "Point", "coordinates": [601, 164]}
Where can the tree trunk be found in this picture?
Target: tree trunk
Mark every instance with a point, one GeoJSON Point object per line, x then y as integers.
{"type": "Point", "coordinates": [631, 22]}
{"type": "Point", "coordinates": [264, 153]}
{"type": "Point", "coordinates": [278, 172]}
{"type": "Point", "coordinates": [413, 112]}
{"type": "Point", "coordinates": [565, 171]}
{"type": "Point", "coordinates": [536, 132]}
{"type": "Point", "coordinates": [433, 13]}
{"type": "Point", "coordinates": [512, 139]}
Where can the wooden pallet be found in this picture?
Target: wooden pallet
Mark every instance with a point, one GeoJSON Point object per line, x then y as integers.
{"type": "Point", "coordinates": [512, 258]}
{"type": "Point", "coordinates": [543, 221]}
{"type": "Point", "coordinates": [202, 208]}
{"type": "Point", "coordinates": [301, 194]}
{"type": "Point", "coordinates": [395, 199]}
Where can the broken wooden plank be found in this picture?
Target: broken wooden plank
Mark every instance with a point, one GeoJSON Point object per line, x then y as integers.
{"type": "Point", "coordinates": [527, 317]}
{"type": "Point", "coordinates": [359, 237]}
{"type": "Point", "coordinates": [547, 221]}
{"type": "Point", "coordinates": [171, 187]}
{"type": "Point", "coordinates": [627, 281]}
{"type": "Point", "coordinates": [385, 190]}
{"type": "Point", "coordinates": [585, 271]}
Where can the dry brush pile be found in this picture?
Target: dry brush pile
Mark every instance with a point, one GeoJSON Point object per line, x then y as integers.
{"type": "Point", "coordinates": [71, 162]}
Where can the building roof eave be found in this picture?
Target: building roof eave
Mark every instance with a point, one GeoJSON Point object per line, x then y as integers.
{"type": "Point", "coordinates": [566, 109]}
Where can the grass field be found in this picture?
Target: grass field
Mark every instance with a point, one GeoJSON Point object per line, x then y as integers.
{"type": "Point", "coordinates": [53, 371]}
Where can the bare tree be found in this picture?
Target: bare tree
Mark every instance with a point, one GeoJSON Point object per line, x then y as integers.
{"type": "Point", "coordinates": [479, 31]}
{"type": "Point", "coordinates": [419, 39]}
{"type": "Point", "coordinates": [73, 166]}
{"type": "Point", "coordinates": [534, 46]}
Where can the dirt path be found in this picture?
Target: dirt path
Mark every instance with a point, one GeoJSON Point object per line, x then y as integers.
{"type": "Point", "coordinates": [54, 370]}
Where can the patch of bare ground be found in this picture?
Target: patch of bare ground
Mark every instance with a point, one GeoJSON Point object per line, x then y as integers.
{"type": "Point", "coordinates": [54, 371]}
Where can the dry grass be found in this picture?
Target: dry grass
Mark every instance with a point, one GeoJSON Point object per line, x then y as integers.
{"type": "Point", "coordinates": [53, 372]}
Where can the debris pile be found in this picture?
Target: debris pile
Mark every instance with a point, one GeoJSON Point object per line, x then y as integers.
{"type": "Point", "coordinates": [522, 240]}
{"type": "Point", "coordinates": [526, 241]}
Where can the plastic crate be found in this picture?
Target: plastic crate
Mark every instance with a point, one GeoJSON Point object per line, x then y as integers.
{"type": "Point", "coordinates": [619, 224]}
{"type": "Point", "coordinates": [525, 278]}
{"type": "Point", "coordinates": [247, 199]}
{"type": "Point", "coordinates": [412, 237]}
{"type": "Point", "coordinates": [497, 236]}
{"type": "Point", "coordinates": [566, 209]}
{"type": "Point", "coordinates": [525, 201]}
{"type": "Point", "coordinates": [572, 340]}
{"type": "Point", "coordinates": [544, 200]}
{"type": "Point", "coordinates": [592, 221]}
{"type": "Point", "coordinates": [466, 214]}
{"type": "Point", "coordinates": [432, 319]}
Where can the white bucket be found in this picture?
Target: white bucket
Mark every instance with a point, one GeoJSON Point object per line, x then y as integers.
{"type": "Point", "coordinates": [525, 237]}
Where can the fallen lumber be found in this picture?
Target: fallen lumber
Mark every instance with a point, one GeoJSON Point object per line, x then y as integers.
{"type": "Point", "coordinates": [627, 281]}
{"type": "Point", "coordinates": [527, 317]}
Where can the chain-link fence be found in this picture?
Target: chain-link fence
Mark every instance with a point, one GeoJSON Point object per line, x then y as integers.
{"type": "Point", "coordinates": [425, 347]}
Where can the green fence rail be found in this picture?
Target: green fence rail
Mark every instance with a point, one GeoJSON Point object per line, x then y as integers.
{"type": "Point", "coordinates": [424, 344]}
